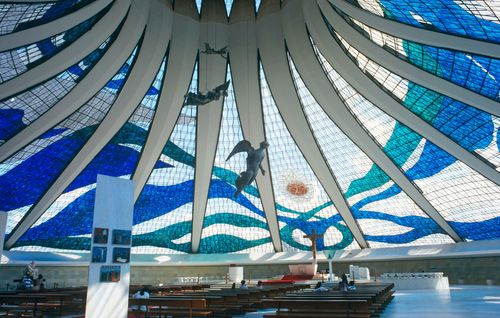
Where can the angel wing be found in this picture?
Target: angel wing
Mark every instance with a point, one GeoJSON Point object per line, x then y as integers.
{"type": "Point", "coordinates": [242, 146]}
{"type": "Point", "coordinates": [223, 87]}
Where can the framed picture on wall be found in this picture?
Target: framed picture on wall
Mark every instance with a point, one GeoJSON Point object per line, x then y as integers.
{"type": "Point", "coordinates": [101, 235]}
{"type": "Point", "coordinates": [99, 254]}
{"type": "Point", "coordinates": [121, 255]}
{"type": "Point", "coordinates": [110, 274]}
{"type": "Point", "coordinates": [122, 237]}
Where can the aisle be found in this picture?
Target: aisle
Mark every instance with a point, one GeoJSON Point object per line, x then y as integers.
{"type": "Point", "coordinates": [460, 301]}
{"type": "Point", "coordinates": [469, 301]}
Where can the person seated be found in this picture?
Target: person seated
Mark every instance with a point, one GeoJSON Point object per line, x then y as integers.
{"type": "Point", "coordinates": [259, 285]}
{"type": "Point", "coordinates": [243, 284]}
{"type": "Point", "coordinates": [319, 288]}
{"type": "Point", "coordinates": [233, 286]}
{"type": "Point", "coordinates": [27, 283]}
{"type": "Point", "coordinates": [38, 283]}
{"type": "Point", "coordinates": [351, 286]}
{"type": "Point", "coordinates": [31, 270]}
{"type": "Point", "coordinates": [344, 283]}
{"type": "Point", "coordinates": [141, 294]}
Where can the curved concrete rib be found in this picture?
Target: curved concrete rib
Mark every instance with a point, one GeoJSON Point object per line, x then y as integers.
{"type": "Point", "coordinates": [181, 60]}
{"type": "Point", "coordinates": [419, 35]}
{"type": "Point", "coordinates": [212, 73]}
{"type": "Point", "coordinates": [359, 81]}
{"type": "Point", "coordinates": [145, 68]}
{"type": "Point", "coordinates": [17, 39]}
{"type": "Point", "coordinates": [245, 74]}
{"type": "Point", "coordinates": [71, 55]}
{"type": "Point", "coordinates": [320, 87]}
{"type": "Point", "coordinates": [403, 68]}
{"type": "Point", "coordinates": [275, 63]}
{"type": "Point", "coordinates": [91, 83]}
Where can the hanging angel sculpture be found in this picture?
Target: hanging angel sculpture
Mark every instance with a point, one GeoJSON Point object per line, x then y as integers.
{"type": "Point", "coordinates": [254, 163]}
{"type": "Point", "coordinates": [209, 50]}
{"type": "Point", "coordinates": [199, 98]}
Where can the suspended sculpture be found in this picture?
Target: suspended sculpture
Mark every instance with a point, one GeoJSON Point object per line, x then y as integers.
{"type": "Point", "coordinates": [254, 163]}
{"type": "Point", "coordinates": [199, 98]}
{"type": "Point", "coordinates": [222, 51]}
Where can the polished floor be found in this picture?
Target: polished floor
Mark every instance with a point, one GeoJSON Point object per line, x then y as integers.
{"type": "Point", "coordinates": [460, 301]}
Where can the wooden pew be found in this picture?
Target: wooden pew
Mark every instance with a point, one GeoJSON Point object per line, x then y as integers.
{"type": "Point", "coordinates": [308, 308]}
{"type": "Point", "coordinates": [27, 305]}
{"type": "Point", "coordinates": [171, 306]}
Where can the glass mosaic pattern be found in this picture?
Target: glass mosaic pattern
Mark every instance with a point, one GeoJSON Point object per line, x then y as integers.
{"type": "Point", "coordinates": [118, 158]}
{"type": "Point", "coordinates": [164, 211]}
{"type": "Point", "coordinates": [301, 202]}
{"type": "Point", "coordinates": [470, 127]}
{"type": "Point", "coordinates": [474, 72]}
{"type": "Point", "coordinates": [385, 214]}
{"type": "Point", "coordinates": [233, 224]}
{"type": "Point", "coordinates": [448, 184]}
{"type": "Point", "coordinates": [477, 19]}
{"type": "Point", "coordinates": [18, 111]}
{"type": "Point", "coordinates": [22, 59]}
{"type": "Point", "coordinates": [27, 175]}
{"type": "Point", "coordinates": [15, 17]}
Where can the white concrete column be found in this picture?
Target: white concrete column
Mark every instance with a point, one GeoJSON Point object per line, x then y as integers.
{"type": "Point", "coordinates": [114, 208]}
{"type": "Point", "coordinates": [3, 227]}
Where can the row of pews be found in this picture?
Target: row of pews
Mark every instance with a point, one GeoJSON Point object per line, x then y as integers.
{"type": "Point", "coordinates": [368, 300]}
{"type": "Point", "coordinates": [60, 302]}
{"type": "Point", "coordinates": [200, 300]}
{"type": "Point", "coordinates": [213, 302]}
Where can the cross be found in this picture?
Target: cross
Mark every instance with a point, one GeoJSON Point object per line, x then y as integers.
{"type": "Point", "coordinates": [313, 237]}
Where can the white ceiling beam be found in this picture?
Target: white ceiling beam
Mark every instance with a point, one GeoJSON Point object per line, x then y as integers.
{"type": "Point", "coordinates": [148, 61]}
{"type": "Point", "coordinates": [403, 68]}
{"type": "Point", "coordinates": [334, 54]}
{"type": "Point", "coordinates": [275, 63]}
{"type": "Point", "coordinates": [320, 87]}
{"type": "Point", "coordinates": [70, 55]}
{"type": "Point", "coordinates": [181, 60]}
{"type": "Point", "coordinates": [212, 73]}
{"type": "Point", "coordinates": [419, 35]}
{"type": "Point", "coordinates": [245, 74]}
{"type": "Point", "coordinates": [24, 37]}
{"type": "Point", "coordinates": [91, 83]}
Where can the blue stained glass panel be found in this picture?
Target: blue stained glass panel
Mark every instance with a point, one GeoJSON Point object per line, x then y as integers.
{"type": "Point", "coordinates": [385, 214]}
{"type": "Point", "coordinates": [232, 225]}
{"type": "Point", "coordinates": [475, 19]}
{"type": "Point", "coordinates": [19, 111]}
{"type": "Point", "coordinates": [470, 127]}
{"type": "Point", "coordinates": [301, 202]}
{"type": "Point", "coordinates": [467, 200]}
{"type": "Point", "coordinates": [15, 17]}
{"type": "Point", "coordinates": [163, 212]}
{"type": "Point", "coordinates": [26, 176]}
{"type": "Point", "coordinates": [20, 60]}
{"type": "Point", "coordinates": [67, 223]}
{"type": "Point", "coordinates": [474, 72]}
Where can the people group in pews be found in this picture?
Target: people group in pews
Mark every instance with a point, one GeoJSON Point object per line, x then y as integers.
{"type": "Point", "coordinates": [320, 288]}
{"type": "Point", "coordinates": [141, 294]}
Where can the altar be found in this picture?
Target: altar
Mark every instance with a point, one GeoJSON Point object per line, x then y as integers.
{"type": "Point", "coordinates": [303, 269]}
{"type": "Point", "coordinates": [416, 280]}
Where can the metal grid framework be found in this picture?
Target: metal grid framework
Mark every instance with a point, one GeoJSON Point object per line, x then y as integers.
{"type": "Point", "coordinates": [17, 61]}
{"type": "Point", "coordinates": [453, 118]}
{"type": "Point", "coordinates": [461, 190]}
{"type": "Point", "coordinates": [15, 17]}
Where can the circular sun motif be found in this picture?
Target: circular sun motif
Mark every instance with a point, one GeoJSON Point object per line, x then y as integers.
{"type": "Point", "coordinates": [296, 187]}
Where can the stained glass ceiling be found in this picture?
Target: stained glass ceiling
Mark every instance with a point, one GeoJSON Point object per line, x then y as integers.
{"type": "Point", "coordinates": [378, 136]}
